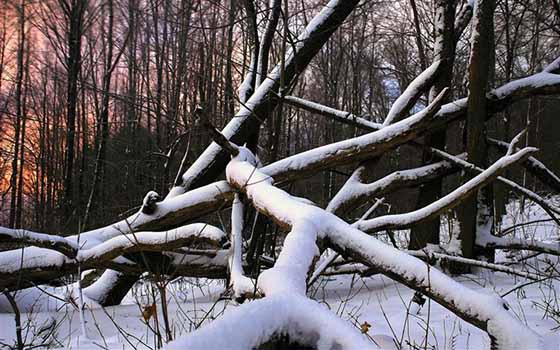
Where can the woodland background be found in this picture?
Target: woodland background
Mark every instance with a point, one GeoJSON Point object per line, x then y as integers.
{"type": "Point", "coordinates": [98, 98]}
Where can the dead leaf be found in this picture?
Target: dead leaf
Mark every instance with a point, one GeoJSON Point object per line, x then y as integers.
{"type": "Point", "coordinates": [148, 312]}
{"type": "Point", "coordinates": [364, 327]}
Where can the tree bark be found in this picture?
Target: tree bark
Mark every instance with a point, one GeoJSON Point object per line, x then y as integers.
{"type": "Point", "coordinates": [475, 215]}
{"type": "Point", "coordinates": [428, 232]}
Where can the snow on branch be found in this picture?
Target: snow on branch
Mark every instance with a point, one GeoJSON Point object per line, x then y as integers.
{"type": "Point", "coordinates": [242, 285]}
{"type": "Point", "coordinates": [436, 256]}
{"type": "Point", "coordinates": [412, 93]}
{"type": "Point", "coordinates": [449, 201]}
{"type": "Point", "coordinates": [486, 311]}
{"type": "Point", "coordinates": [184, 236]}
{"type": "Point", "coordinates": [18, 237]}
{"type": "Point", "coordinates": [553, 67]}
{"type": "Point", "coordinates": [358, 148]}
{"type": "Point", "coordinates": [285, 310]}
{"type": "Point", "coordinates": [354, 191]}
{"type": "Point", "coordinates": [540, 84]}
{"type": "Point", "coordinates": [329, 112]}
{"type": "Point", "coordinates": [39, 264]}
{"type": "Point", "coordinates": [518, 243]}
{"type": "Point", "coordinates": [178, 208]}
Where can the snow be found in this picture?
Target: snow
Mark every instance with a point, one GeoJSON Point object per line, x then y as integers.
{"type": "Point", "coordinates": [354, 187]}
{"type": "Point", "coordinates": [289, 274]}
{"type": "Point", "coordinates": [308, 223]}
{"type": "Point", "coordinates": [98, 290]}
{"type": "Point", "coordinates": [510, 332]}
{"type": "Point", "coordinates": [245, 88]}
{"type": "Point", "coordinates": [381, 302]}
{"type": "Point", "coordinates": [303, 320]}
{"type": "Point", "coordinates": [553, 67]}
{"type": "Point", "coordinates": [377, 300]}
{"type": "Point", "coordinates": [41, 239]}
{"type": "Point", "coordinates": [40, 258]}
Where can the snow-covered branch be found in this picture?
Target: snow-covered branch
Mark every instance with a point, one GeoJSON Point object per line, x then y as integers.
{"type": "Point", "coordinates": [488, 312]}
{"type": "Point", "coordinates": [180, 207]}
{"type": "Point", "coordinates": [540, 84]}
{"type": "Point", "coordinates": [412, 93]}
{"type": "Point", "coordinates": [436, 256]}
{"type": "Point", "coordinates": [184, 236]}
{"type": "Point", "coordinates": [551, 210]}
{"type": "Point", "coordinates": [517, 243]}
{"type": "Point", "coordinates": [332, 113]}
{"type": "Point", "coordinates": [533, 165]}
{"type": "Point", "coordinates": [355, 149]}
{"type": "Point", "coordinates": [17, 237]}
{"type": "Point", "coordinates": [354, 191]}
{"type": "Point", "coordinates": [449, 201]}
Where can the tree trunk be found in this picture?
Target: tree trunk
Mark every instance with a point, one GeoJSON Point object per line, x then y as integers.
{"type": "Point", "coordinates": [428, 232]}
{"type": "Point", "coordinates": [73, 64]}
{"type": "Point", "coordinates": [476, 214]}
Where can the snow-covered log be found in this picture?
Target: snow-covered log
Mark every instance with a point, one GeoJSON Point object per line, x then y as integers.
{"type": "Point", "coordinates": [518, 243]}
{"type": "Point", "coordinates": [487, 312]}
{"type": "Point", "coordinates": [22, 267]}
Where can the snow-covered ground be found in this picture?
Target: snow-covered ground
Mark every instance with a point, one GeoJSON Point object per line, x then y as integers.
{"type": "Point", "coordinates": [375, 304]}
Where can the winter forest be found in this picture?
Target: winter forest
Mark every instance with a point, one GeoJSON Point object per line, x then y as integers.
{"type": "Point", "coordinates": [280, 174]}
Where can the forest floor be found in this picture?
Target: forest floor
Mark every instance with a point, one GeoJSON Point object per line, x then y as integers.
{"type": "Point", "coordinates": [375, 304]}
